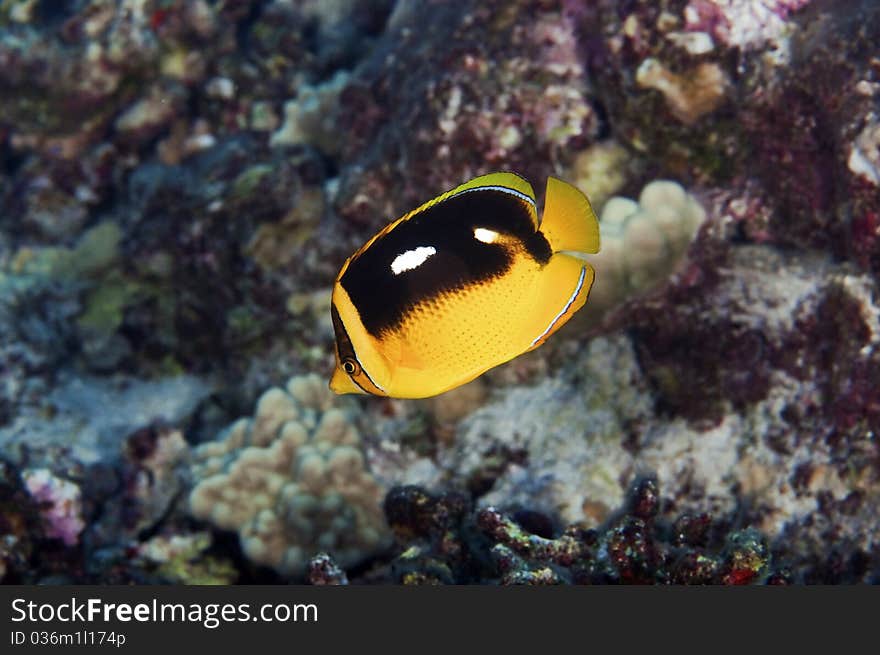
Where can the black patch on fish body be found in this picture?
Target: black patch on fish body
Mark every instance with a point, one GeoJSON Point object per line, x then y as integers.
{"type": "Point", "coordinates": [344, 347]}
{"type": "Point", "coordinates": [383, 298]}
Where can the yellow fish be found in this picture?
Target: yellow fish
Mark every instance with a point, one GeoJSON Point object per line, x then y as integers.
{"type": "Point", "coordinates": [466, 282]}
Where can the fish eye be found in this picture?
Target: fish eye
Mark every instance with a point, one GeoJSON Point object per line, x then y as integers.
{"type": "Point", "coordinates": [349, 366]}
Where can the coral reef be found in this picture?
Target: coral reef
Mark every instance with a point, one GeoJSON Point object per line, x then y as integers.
{"type": "Point", "coordinates": [91, 416]}
{"type": "Point", "coordinates": [747, 24]}
{"type": "Point", "coordinates": [43, 520]}
{"type": "Point", "coordinates": [309, 118]}
{"type": "Point", "coordinates": [182, 559]}
{"type": "Point", "coordinates": [324, 571]}
{"type": "Point", "coordinates": [153, 477]}
{"type": "Point", "coordinates": [690, 95]}
{"type": "Point", "coordinates": [864, 157]}
{"type": "Point", "coordinates": [60, 504]}
{"type": "Point", "coordinates": [600, 171]}
{"type": "Point", "coordinates": [180, 181]}
{"type": "Point", "coordinates": [148, 117]}
{"type": "Point", "coordinates": [291, 481]}
{"type": "Point", "coordinates": [800, 109]}
{"type": "Point", "coordinates": [442, 541]}
{"type": "Point", "coordinates": [642, 242]}
{"type": "Point", "coordinates": [20, 524]}
{"type": "Point", "coordinates": [717, 437]}
{"type": "Point", "coordinates": [512, 95]}
{"type": "Point", "coordinates": [552, 447]}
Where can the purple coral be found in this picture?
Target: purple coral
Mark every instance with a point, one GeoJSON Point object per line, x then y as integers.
{"type": "Point", "coordinates": [743, 23]}
{"type": "Point", "coordinates": [60, 504]}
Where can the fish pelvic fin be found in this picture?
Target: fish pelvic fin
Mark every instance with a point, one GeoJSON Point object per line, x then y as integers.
{"type": "Point", "coordinates": [569, 223]}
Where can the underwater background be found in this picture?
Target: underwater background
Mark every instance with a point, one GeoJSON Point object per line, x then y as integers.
{"type": "Point", "coordinates": [180, 182]}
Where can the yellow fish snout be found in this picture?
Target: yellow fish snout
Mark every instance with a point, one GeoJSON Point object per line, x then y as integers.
{"type": "Point", "coordinates": [342, 383]}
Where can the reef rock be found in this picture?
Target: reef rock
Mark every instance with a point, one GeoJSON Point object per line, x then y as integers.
{"type": "Point", "coordinates": [726, 398]}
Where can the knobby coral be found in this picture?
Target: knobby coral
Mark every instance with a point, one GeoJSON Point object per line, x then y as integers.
{"type": "Point", "coordinates": [644, 241]}
{"type": "Point", "coordinates": [291, 481]}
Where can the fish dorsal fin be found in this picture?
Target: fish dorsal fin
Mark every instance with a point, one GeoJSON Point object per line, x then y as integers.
{"type": "Point", "coordinates": [510, 182]}
{"type": "Point", "coordinates": [504, 181]}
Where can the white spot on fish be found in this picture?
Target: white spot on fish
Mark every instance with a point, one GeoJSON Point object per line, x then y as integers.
{"type": "Point", "coordinates": [484, 235]}
{"type": "Point", "coordinates": [411, 259]}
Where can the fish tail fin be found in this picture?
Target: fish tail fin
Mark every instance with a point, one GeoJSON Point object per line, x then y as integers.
{"type": "Point", "coordinates": [569, 222]}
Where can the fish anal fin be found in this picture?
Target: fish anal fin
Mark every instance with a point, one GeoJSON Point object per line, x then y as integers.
{"type": "Point", "coordinates": [563, 290]}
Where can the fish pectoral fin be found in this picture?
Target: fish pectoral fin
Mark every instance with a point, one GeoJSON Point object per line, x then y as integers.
{"type": "Point", "coordinates": [408, 357]}
{"type": "Point", "coordinates": [398, 353]}
{"type": "Point", "coordinates": [563, 287]}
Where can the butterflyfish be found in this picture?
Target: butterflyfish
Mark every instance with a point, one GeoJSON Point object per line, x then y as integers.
{"type": "Point", "coordinates": [465, 282]}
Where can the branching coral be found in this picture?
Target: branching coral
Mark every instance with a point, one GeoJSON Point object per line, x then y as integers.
{"type": "Point", "coordinates": [291, 481]}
